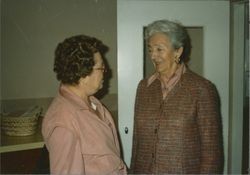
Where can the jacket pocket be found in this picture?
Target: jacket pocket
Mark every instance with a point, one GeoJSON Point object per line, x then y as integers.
{"type": "Point", "coordinates": [102, 164]}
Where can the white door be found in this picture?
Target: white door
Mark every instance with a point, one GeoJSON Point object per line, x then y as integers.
{"type": "Point", "coordinates": [133, 15]}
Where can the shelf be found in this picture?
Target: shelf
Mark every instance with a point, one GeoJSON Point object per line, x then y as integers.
{"type": "Point", "coordinates": [19, 143]}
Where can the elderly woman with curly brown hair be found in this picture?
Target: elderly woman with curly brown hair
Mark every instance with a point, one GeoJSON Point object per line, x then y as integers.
{"type": "Point", "coordinates": [177, 118]}
{"type": "Point", "coordinates": [78, 130]}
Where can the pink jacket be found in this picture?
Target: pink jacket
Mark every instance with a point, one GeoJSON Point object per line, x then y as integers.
{"type": "Point", "coordinates": [79, 141]}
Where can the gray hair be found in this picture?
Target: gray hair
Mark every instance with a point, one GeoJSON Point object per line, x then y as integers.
{"type": "Point", "coordinates": [175, 32]}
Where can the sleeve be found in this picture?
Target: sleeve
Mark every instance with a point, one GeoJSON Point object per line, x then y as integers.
{"type": "Point", "coordinates": [134, 145]}
{"type": "Point", "coordinates": [64, 152]}
{"type": "Point", "coordinates": [210, 129]}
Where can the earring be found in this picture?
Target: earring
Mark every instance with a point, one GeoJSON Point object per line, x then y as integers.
{"type": "Point", "coordinates": [177, 60]}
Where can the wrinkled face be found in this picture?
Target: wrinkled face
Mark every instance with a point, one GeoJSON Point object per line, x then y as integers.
{"type": "Point", "coordinates": [161, 52]}
{"type": "Point", "coordinates": [96, 77]}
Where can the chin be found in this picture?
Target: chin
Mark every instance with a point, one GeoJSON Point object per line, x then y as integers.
{"type": "Point", "coordinates": [100, 87]}
{"type": "Point", "coordinates": [158, 68]}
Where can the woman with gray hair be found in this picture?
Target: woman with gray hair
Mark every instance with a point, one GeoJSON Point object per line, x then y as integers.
{"type": "Point", "coordinates": [177, 125]}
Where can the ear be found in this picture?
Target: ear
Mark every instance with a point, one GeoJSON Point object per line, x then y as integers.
{"type": "Point", "coordinates": [179, 51]}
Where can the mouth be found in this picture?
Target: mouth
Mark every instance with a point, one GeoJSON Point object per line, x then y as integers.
{"type": "Point", "coordinates": [157, 63]}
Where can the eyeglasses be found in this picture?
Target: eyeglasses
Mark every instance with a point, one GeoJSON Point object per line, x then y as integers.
{"type": "Point", "coordinates": [103, 69]}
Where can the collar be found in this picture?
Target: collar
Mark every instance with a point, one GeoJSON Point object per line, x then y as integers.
{"type": "Point", "coordinates": [181, 70]}
{"type": "Point", "coordinates": [75, 100]}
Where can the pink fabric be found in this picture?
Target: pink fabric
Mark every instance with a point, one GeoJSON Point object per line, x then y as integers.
{"type": "Point", "coordinates": [80, 142]}
{"type": "Point", "coordinates": [168, 84]}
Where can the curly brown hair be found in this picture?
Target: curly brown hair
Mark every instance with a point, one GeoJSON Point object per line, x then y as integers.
{"type": "Point", "coordinates": [74, 57]}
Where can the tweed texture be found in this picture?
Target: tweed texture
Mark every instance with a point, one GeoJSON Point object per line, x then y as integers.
{"type": "Point", "coordinates": [180, 134]}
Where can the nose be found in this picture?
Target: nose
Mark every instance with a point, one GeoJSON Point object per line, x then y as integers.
{"type": "Point", "coordinates": [153, 55]}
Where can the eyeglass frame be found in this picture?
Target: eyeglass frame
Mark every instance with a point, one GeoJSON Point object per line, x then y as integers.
{"type": "Point", "coordinates": [103, 69]}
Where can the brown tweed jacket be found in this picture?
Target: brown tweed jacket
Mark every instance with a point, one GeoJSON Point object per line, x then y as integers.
{"type": "Point", "coordinates": [180, 134]}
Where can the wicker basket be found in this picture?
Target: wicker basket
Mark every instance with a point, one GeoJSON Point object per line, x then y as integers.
{"type": "Point", "coordinates": [20, 123]}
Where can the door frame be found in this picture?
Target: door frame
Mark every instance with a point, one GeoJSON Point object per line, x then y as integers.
{"type": "Point", "coordinates": [238, 53]}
